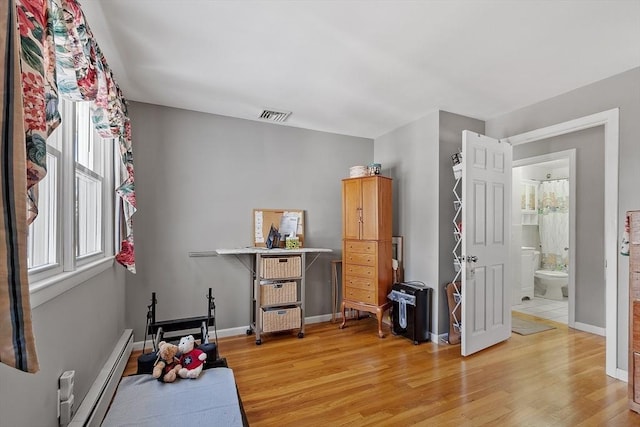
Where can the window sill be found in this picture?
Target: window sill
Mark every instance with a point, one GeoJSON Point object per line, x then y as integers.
{"type": "Point", "coordinates": [49, 288]}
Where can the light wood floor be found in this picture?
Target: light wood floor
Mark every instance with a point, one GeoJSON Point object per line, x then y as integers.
{"type": "Point", "coordinates": [351, 377]}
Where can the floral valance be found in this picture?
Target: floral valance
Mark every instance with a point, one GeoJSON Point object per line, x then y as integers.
{"type": "Point", "coordinates": [60, 57]}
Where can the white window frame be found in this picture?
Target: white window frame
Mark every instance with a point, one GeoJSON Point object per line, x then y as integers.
{"type": "Point", "coordinates": [47, 282]}
{"type": "Point", "coordinates": [54, 268]}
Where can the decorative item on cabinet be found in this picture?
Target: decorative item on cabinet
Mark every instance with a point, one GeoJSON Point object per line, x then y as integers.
{"type": "Point", "coordinates": [358, 171]}
{"type": "Point", "coordinates": [367, 273]}
{"type": "Point", "coordinates": [374, 169]}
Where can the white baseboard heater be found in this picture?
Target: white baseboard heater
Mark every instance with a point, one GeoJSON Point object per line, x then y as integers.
{"type": "Point", "coordinates": [95, 404]}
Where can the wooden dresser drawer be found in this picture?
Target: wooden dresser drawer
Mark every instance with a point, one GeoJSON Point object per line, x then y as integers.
{"type": "Point", "coordinates": [634, 285]}
{"type": "Point", "coordinates": [359, 282]}
{"type": "Point", "coordinates": [360, 258]}
{"type": "Point", "coordinates": [636, 326]}
{"type": "Point", "coordinates": [636, 377]}
{"type": "Point", "coordinates": [359, 270]}
{"type": "Point", "coordinates": [360, 246]}
{"type": "Point", "coordinates": [633, 218]}
{"type": "Point", "coordinates": [634, 227]}
{"type": "Point", "coordinates": [359, 295]}
{"type": "Point", "coordinates": [634, 258]}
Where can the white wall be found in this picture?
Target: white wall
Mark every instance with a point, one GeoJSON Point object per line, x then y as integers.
{"type": "Point", "coordinates": [621, 91]}
{"type": "Point", "coordinates": [77, 330]}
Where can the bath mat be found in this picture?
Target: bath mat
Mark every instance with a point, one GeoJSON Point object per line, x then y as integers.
{"type": "Point", "coordinates": [528, 327]}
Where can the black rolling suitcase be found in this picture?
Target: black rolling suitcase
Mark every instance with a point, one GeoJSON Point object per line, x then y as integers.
{"type": "Point", "coordinates": [411, 311]}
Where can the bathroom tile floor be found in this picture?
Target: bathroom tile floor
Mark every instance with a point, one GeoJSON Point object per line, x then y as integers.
{"type": "Point", "coordinates": [558, 311]}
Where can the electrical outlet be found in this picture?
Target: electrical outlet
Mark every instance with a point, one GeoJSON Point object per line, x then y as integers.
{"type": "Point", "coordinates": [66, 411]}
{"type": "Point", "coordinates": [66, 384]}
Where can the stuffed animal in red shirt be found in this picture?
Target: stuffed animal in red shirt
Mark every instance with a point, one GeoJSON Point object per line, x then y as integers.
{"type": "Point", "coordinates": [192, 359]}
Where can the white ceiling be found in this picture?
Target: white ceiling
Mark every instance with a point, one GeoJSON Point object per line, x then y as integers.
{"type": "Point", "coordinates": [361, 68]}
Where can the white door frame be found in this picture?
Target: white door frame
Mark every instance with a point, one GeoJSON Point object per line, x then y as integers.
{"type": "Point", "coordinates": [610, 120]}
{"type": "Point", "coordinates": [569, 155]}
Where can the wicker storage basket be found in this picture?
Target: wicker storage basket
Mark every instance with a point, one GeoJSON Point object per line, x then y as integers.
{"type": "Point", "coordinates": [280, 319]}
{"type": "Point", "coordinates": [278, 293]}
{"type": "Point", "coordinates": [281, 267]}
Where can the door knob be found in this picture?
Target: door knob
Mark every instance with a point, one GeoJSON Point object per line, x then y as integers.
{"type": "Point", "coordinates": [472, 258]}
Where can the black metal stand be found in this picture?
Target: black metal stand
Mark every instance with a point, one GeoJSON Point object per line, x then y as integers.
{"type": "Point", "coordinates": [159, 328]}
{"type": "Point", "coordinates": [178, 327]}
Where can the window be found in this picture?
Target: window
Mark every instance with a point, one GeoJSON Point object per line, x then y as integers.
{"type": "Point", "coordinates": [89, 168]}
{"type": "Point", "coordinates": [42, 241]}
{"type": "Point", "coordinates": [75, 202]}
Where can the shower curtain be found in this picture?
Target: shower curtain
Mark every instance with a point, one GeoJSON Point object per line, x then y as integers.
{"type": "Point", "coordinates": [553, 223]}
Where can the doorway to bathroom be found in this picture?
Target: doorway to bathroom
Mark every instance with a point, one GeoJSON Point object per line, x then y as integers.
{"type": "Point", "coordinates": [543, 226]}
{"type": "Point", "coordinates": [606, 245]}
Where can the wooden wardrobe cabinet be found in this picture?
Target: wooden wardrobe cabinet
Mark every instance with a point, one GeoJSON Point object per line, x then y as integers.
{"type": "Point", "coordinates": [367, 273]}
{"type": "Point", "coordinates": [634, 310]}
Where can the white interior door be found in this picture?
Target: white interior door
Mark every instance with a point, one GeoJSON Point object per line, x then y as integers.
{"type": "Point", "coordinates": [486, 226]}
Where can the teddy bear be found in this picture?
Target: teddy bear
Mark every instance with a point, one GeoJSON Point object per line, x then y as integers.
{"type": "Point", "coordinates": [192, 359]}
{"type": "Point", "coordinates": [167, 364]}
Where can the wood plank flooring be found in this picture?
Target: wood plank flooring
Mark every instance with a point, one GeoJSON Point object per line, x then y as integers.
{"type": "Point", "coordinates": [335, 377]}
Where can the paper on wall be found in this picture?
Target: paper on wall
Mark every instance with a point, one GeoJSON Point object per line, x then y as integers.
{"type": "Point", "coordinates": [259, 237]}
{"type": "Point", "coordinates": [289, 224]}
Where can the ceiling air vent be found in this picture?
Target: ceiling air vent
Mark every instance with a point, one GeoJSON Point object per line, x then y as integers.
{"type": "Point", "coordinates": [274, 116]}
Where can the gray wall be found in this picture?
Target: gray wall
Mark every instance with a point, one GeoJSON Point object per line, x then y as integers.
{"type": "Point", "coordinates": [408, 155]}
{"type": "Point", "coordinates": [621, 91]}
{"type": "Point", "coordinates": [77, 330]}
{"type": "Point", "coordinates": [198, 179]}
{"type": "Point", "coordinates": [418, 158]}
{"type": "Point", "coordinates": [589, 249]}
{"type": "Point", "coordinates": [450, 137]}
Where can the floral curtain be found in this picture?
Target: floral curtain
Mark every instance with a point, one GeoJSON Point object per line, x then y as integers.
{"type": "Point", "coordinates": [60, 56]}
{"type": "Point", "coordinates": [17, 346]}
{"type": "Point", "coordinates": [553, 210]}
{"type": "Point", "coordinates": [57, 55]}
{"type": "Point", "coordinates": [39, 91]}
{"type": "Point", "coordinates": [84, 75]}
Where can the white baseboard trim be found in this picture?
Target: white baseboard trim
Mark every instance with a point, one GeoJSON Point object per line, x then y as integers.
{"type": "Point", "coordinates": [321, 318]}
{"type": "Point", "coordinates": [622, 375]}
{"type": "Point", "coordinates": [241, 330]}
{"type": "Point", "coordinates": [590, 328]}
{"type": "Point", "coordinates": [440, 339]}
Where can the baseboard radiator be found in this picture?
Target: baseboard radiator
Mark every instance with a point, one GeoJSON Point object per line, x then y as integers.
{"type": "Point", "coordinates": [95, 404]}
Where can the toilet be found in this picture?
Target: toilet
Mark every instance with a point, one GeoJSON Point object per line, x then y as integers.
{"type": "Point", "coordinates": [550, 284]}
